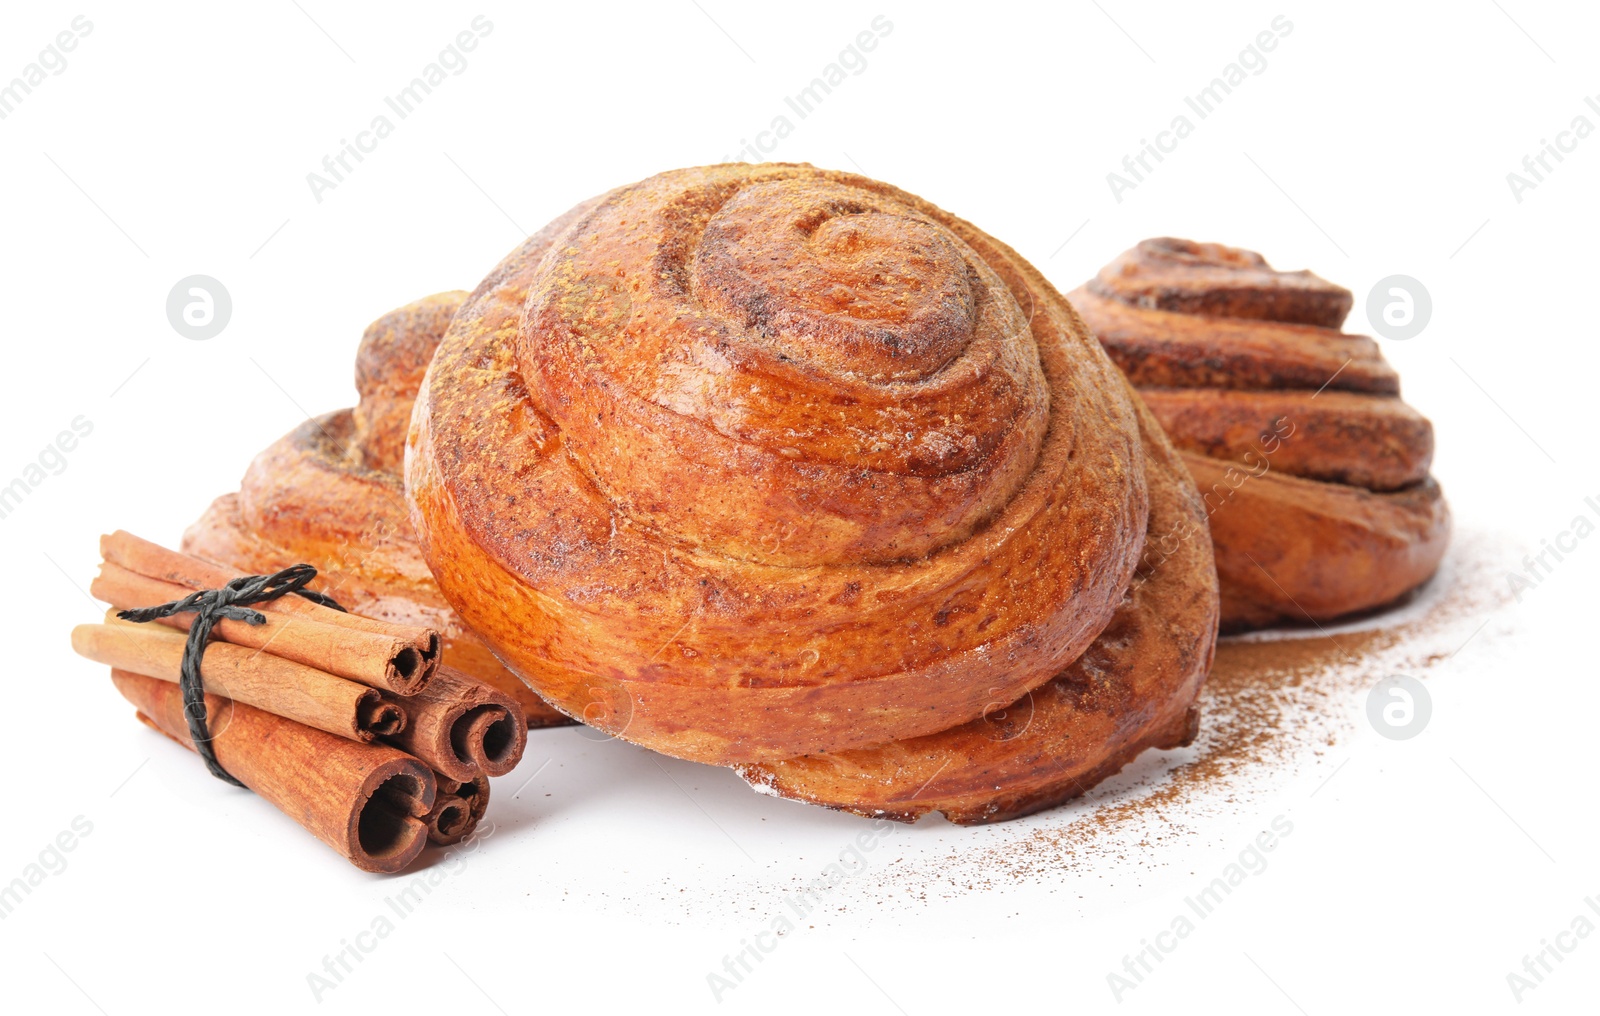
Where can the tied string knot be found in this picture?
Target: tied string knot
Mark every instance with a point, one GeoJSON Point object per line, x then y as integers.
{"type": "Point", "coordinates": [230, 602]}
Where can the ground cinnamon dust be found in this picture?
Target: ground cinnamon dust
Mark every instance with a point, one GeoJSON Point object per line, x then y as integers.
{"type": "Point", "coordinates": [1277, 711]}
{"type": "Point", "coordinates": [1274, 705]}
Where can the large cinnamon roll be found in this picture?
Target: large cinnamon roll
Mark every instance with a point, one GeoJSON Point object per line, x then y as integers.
{"type": "Point", "coordinates": [1315, 473]}
{"type": "Point", "coordinates": [330, 494]}
{"type": "Point", "coordinates": [1133, 689]}
{"type": "Point", "coordinates": [759, 462]}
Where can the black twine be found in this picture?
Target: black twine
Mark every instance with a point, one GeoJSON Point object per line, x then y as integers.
{"type": "Point", "coordinates": [210, 606]}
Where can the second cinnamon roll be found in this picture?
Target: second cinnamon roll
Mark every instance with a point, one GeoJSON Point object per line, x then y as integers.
{"type": "Point", "coordinates": [1315, 473]}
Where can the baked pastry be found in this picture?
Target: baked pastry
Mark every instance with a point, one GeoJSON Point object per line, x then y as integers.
{"type": "Point", "coordinates": [1134, 688]}
{"type": "Point", "coordinates": [1315, 473]}
{"type": "Point", "coordinates": [329, 493]}
{"type": "Point", "coordinates": [765, 461]}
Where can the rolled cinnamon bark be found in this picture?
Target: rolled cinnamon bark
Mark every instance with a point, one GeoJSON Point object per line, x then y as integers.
{"type": "Point", "coordinates": [375, 660]}
{"type": "Point", "coordinates": [282, 687]}
{"type": "Point", "coordinates": [457, 809]}
{"type": "Point", "coordinates": [365, 801]}
{"type": "Point", "coordinates": [462, 727]}
{"type": "Point", "coordinates": [416, 654]}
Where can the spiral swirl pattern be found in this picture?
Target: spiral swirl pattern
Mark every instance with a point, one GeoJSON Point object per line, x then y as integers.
{"type": "Point", "coordinates": [1315, 472]}
{"type": "Point", "coordinates": [806, 345]}
{"type": "Point", "coordinates": [763, 461]}
{"type": "Point", "coordinates": [1134, 688]}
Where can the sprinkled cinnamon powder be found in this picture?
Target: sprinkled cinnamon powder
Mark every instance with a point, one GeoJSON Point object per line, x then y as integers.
{"type": "Point", "coordinates": [1273, 706]}
{"type": "Point", "coordinates": [1277, 710]}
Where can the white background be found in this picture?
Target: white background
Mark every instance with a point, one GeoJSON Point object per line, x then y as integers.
{"type": "Point", "coordinates": [1376, 141]}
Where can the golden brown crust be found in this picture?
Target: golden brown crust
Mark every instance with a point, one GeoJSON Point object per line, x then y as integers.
{"type": "Point", "coordinates": [1340, 437]}
{"type": "Point", "coordinates": [1298, 549]}
{"type": "Point", "coordinates": [1315, 473]}
{"type": "Point", "coordinates": [325, 494]}
{"type": "Point", "coordinates": [1133, 689]}
{"type": "Point", "coordinates": [722, 473]}
{"type": "Point", "coordinates": [1162, 349]}
{"type": "Point", "coordinates": [393, 355]}
{"type": "Point", "coordinates": [1209, 279]}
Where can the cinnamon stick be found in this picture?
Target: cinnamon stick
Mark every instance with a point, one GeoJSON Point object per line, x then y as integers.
{"type": "Point", "coordinates": [365, 801]}
{"type": "Point", "coordinates": [283, 687]}
{"type": "Point", "coordinates": [413, 669]}
{"type": "Point", "coordinates": [373, 659]}
{"type": "Point", "coordinates": [462, 727]}
{"type": "Point", "coordinates": [457, 809]}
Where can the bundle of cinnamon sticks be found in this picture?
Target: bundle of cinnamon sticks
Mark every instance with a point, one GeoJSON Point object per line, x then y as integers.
{"type": "Point", "coordinates": [350, 725]}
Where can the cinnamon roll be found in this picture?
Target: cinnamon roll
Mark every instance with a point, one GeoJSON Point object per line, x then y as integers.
{"type": "Point", "coordinates": [759, 463]}
{"type": "Point", "coordinates": [1314, 472]}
